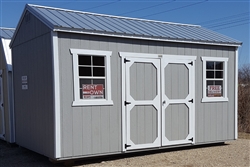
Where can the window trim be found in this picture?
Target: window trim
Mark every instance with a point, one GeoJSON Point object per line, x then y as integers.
{"type": "Point", "coordinates": [225, 85]}
{"type": "Point", "coordinates": [91, 102]}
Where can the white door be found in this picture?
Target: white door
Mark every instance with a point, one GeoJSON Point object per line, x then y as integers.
{"type": "Point", "coordinates": [2, 127]}
{"type": "Point", "coordinates": [177, 100]}
{"type": "Point", "coordinates": [142, 103]}
{"type": "Point", "coordinates": [158, 101]}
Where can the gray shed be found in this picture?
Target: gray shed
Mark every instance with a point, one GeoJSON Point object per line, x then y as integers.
{"type": "Point", "coordinates": [7, 125]}
{"type": "Point", "coordinates": [89, 84]}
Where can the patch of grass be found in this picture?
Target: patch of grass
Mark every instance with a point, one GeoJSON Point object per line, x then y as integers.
{"type": "Point", "coordinates": [242, 135]}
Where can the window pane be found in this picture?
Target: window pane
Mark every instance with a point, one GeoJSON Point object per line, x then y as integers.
{"type": "Point", "coordinates": [99, 71]}
{"type": "Point", "coordinates": [210, 65]}
{"type": "Point", "coordinates": [92, 88]}
{"type": "Point", "coordinates": [98, 61]}
{"type": "Point", "coordinates": [84, 71]}
{"type": "Point", "coordinates": [83, 82]}
{"type": "Point", "coordinates": [210, 83]}
{"type": "Point", "coordinates": [84, 60]}
{"type": "Point", "coordinates": [219, 65]}
{"type": "Point", "coordinates": [218, 74]}
{"type": "Point", "coordinates": [214, 89]}
{"type": "Point", "coordinates": [210, 74]}
{"type": "Point", "coordinates": [221, 84]}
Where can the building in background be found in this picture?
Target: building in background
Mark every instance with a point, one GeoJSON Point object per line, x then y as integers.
{"type": "Point", "coordinates": [7, 123]}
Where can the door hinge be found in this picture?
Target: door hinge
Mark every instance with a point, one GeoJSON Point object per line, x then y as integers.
{"type": "Point", "coordinates": [192, 100]}
{"type": "Point", "coordinates": [2, 104]}
{"type": "Point", "coordinates": [126, 103]}
{"type": "Point", "coordinates": [191, 63]}
{"type": "Point", "coordinates": [126, 146]}
{"type": "Point", "coordinates": [126, 60]}
{"type": "Point", "coordinates": [192, 139]}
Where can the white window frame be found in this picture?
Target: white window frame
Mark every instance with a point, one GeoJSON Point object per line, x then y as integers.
{"type": "Point", "coordinates": [225, 72]}
{"type": "Point", "coordinates": [91, 102]}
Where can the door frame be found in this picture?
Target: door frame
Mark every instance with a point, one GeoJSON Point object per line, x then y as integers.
{"type": "Point", "coordinates": [125, 55]}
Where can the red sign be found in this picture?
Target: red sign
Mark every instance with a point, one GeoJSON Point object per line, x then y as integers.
{"type": "Point", "coordinates": [92, 91]}
{"type": "Point", "coordinates": [214, 91]}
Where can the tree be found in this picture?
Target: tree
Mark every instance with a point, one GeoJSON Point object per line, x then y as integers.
{"type": "Point", "coordinates": [244, 99]}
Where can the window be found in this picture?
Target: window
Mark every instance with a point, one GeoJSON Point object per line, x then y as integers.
{"type": "Point", "coordinates": [92, 81]}
{"type": "Point", "coordinates": [214, 79]}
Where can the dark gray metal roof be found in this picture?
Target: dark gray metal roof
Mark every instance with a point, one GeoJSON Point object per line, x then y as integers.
{"type": "Point", "coordinates": [6, 33]}
{"type": "Point", "coordinates": [83, 22]}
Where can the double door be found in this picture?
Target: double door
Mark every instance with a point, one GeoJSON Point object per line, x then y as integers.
{"type": "Point", "coordinates": [159, 101]}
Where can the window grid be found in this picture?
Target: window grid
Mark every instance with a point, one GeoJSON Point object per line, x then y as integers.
{"type": "Point", "coordinates": [214, 73]}
{"type": "Point", "coordinates": [93, 67]}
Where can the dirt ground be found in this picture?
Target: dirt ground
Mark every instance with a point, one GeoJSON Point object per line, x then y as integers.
{"type": "Point", "coordinates": [232, 153]}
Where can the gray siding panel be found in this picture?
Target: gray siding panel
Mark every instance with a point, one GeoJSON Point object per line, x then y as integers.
{"type": "Point", "coordinates": [34, 106]}
{"type": "Point", "coordinates": [30, 28]}
{"type": "Point", "coordinates": [98, 129]}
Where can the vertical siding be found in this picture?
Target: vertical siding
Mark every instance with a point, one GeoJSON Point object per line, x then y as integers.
{"type": "Point", "coordinates": [144, 121]}
{"type": "Point", "coordinates": [97, 130]}
{"type": "Point", "coordinates": [34, 115]}
{"type": "Point", "coordinates": [215, 120]}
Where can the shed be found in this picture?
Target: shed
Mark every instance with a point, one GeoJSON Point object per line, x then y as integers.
{"type": "Point", "coordinates": [89, 84]}
{"type": "Point", "coordinates": [7, 125]}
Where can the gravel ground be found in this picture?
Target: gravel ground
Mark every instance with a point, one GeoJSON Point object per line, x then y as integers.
{"type": "Point", "coordinates": [232, 153]}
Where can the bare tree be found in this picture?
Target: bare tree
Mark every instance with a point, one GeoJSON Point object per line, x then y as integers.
{"type": "Point", "coordinates": [244, 99]}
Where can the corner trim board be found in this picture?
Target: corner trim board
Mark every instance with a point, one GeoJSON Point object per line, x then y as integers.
{"type": "Point", "coordinates": [57, 115]}
{"type": "Point", "coordinates": [236, 95]}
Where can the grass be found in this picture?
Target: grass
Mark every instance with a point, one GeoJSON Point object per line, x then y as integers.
{"type": "Point", "coordinates": [242, 135]}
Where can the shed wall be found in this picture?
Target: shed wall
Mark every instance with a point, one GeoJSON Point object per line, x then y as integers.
{"type": "Point", "coordinates": [97, 130]}
{"type": "Point", "coordinates": [7, 97]}
{"type": "Point", "coordinates": [34, 115]}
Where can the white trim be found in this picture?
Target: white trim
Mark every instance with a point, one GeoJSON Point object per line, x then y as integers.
{"type": "Point", "coordinates": [124, 135]}
{"type": "Point", "coordinates": [80, 102]}
{"type": "Point", "coordinates": [145, 38]}
{"type": "Point", "coordinates": [57, 109]}
{"type": "Point", "coordinates": [236, 96]}
{"type": "Point", "coordinates": [156, 56]}
{"type": "Point", "coordinates": [7, 53]}
{"type": "Point", "coordinates": [225, 73]}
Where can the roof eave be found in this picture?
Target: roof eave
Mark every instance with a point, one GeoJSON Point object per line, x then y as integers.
{"type": "Point", "coordinates": [60, 29]}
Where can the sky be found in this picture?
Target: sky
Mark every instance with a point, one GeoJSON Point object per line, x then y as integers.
{"type": "Point", "coordinates": [228, 17]}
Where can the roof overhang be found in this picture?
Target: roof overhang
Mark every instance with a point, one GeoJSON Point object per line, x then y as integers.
{"type": "Point", "coordinates": [152, 38]}
{"type": "Point", "coordinates": [7, 53]}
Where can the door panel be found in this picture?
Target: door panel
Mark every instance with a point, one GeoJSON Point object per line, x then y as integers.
{"type": "Point", "coordinates": [143, 108]}
{"type": "Point", "coordinates": [2, 128]}
{"type": "Point", "coordinates": [178, 101]}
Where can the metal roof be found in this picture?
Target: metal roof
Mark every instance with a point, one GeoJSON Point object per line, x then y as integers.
{"type": "Point", "coordinates": [107, 25]}
{"type": "Point", "coordinates": [6, 33]}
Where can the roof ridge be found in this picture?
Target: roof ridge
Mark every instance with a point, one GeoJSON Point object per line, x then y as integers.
{"type": "Point", "coordinates": [112, 16]}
